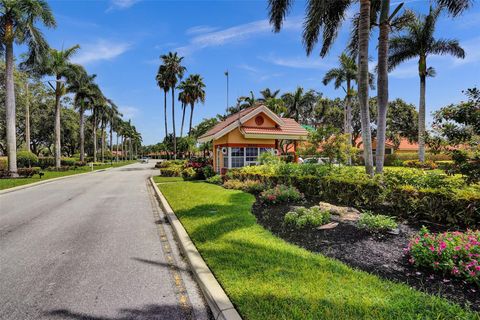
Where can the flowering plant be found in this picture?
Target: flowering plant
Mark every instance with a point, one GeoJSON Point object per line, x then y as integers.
{"type": "Point", "coordinates": [281, 193]}
{"type": "Point", "coordinates": [456, 253]}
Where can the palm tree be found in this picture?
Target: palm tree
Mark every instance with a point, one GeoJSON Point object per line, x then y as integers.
{"type": "Point", "coordinates": [18, 25]}
{"type": "Point", "coordinates": [247, 101]}
{"type": "Point", "coordinates": [419, 42]}
{"type": "Point", "coordinates": [57, 63]}
{"type": "Point", "coordinates": [163, 84]}
{"type": "Point", "coordinates": [196, 89]}
{"type": "Point", "coordinates": [174, 72]}
{"type": "Point", "coordinates": [327, 16]}
{"type": "Point", "coordinates": [268, 94]}
{"type": "Point", "coordinates": [298, 102]}
{"type": "Point", "coordinates": [80, 84]}
{"type": "Point", "coordinates": [345, 73]}
{"type": "Point", "coordinates": [183, 97]}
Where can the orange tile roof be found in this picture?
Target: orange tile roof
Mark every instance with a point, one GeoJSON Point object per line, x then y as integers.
{"type": "Point", "coordinates": [291, 127]}
{"type": "Point", "coordinates": [228, 121]}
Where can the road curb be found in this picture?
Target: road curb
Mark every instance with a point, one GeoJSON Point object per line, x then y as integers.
{"type": "Point", "coordinates": [30, 185]}
{"type": "Point", "coordinates": [221, 306]}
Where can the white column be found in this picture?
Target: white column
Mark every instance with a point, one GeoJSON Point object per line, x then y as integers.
{"type": "Point", "coordinates": [229, 158]}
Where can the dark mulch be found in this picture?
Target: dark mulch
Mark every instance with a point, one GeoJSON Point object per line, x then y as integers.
{"type": "Point", "coordinates": [378, 254]}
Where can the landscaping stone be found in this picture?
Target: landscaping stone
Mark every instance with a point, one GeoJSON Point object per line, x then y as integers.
{"type": "Point", "coordinates": [328, 226]}
{"type": "Point", "coordinates": [346, 213]}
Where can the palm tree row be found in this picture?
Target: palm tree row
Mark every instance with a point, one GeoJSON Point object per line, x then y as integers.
{"type": "Point", "coordinates": [19, 25]}
{"type": "Point", "coordinates": [192, 90]}
{"type": "Point", "coordinates": [323, 20]}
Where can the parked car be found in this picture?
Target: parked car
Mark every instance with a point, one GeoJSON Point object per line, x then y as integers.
{"type": "Point", "coordinates": [144, 160]}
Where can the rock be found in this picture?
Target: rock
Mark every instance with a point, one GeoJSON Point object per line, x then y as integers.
{"type": "Point", "coordinates": [394, 231]}
{"type": "Point", "coordinates": [344, 213]}
{"type": "Point", "coordinates": [327, 226]}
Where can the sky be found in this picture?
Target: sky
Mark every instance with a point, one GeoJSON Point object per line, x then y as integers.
{"type": "Point", "coordinates": [121, 42]}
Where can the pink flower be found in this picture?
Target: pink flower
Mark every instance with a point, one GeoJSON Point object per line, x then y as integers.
{"type": "Point", "coordinates": [455, 270]}
{"type": "Point", "coordinates": [443, 245]}
{"type": "Point", "coordinates": [457, 248]}
{"type": "Point", "coordinates": [432, 248]}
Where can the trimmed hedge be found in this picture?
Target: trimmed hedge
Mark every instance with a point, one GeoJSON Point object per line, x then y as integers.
{"type": "Point", "coordinates": [26, 159]}
{"type": "Point", "coordinates": [459, 207]}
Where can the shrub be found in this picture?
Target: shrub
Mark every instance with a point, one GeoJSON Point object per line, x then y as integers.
{"type": "Point", "coordinates": [70, 162]}
{"type": "Point", "coordinates": [3, 164]}
{"type": "Point", "coordinates": [268, 158]}
{"type": "Point", "coordinates": [188, 173]}
{"type": "Point", "coordinates": [45, 162]}
{"type": "Point", "coordinates": [175, 171]}
{"type": "Point", "coordinates": [26, 159]}
{"type": "Point", "coordinates": [217, 179]}
{"type": "Point", "coordinates": [281, 193]}
{"type": "Point", "coordinates": [302, 217]}
{"type": "Point", "coordinates": [233, 184]}
{"type": "Point", "coordinates": [28, 172]}
{"type": "Point", "coordinates": [376, 222]}
{"type": "Point", "coordinates": [427, 164]}
{"type": "Point", "coordinates": [208, 171]}
{"type": "Point", "coordinates": [253, 186]}
{"type": "Point", "coordinates": [455, 253]}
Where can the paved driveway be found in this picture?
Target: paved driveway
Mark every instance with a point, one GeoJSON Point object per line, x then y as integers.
{"type": "Point", "coordinates": [92, 247]}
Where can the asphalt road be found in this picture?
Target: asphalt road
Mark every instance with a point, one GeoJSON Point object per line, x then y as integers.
{"type": "Point", "coordinates": [92, 247]}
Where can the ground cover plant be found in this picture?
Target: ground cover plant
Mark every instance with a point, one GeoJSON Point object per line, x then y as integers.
{"type": "Point", "coordinates": [376, 222]}
{"type": "Point", "coordinates": [454, 253]}
{"type": "Point", "coordinates": [280, 193]}
{"type": "Point", "coordinates": [268, 278]}
{"type": "Point", "coordinates": [302, 217]}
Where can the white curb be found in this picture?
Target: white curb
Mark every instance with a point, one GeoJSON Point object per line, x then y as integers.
{"type": "Point", "coordinates": [216, 297]}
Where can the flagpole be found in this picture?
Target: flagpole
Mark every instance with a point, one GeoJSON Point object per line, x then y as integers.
{"type": "Point", "coordinates": [226, 74]}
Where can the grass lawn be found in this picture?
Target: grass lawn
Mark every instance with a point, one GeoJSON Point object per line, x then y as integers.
{"type": "Point", "coordinates": [10, 183]}
{"type": "Point", "coordinates": [268, 278]}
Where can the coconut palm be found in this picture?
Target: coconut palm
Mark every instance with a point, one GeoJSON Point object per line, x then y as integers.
{"type": "Point", "coordinates": [174, 72]}
{"type": "Point", "coordinates": [346, 73]}
{"type": "Point", "coordinates": [18, 24]}
{"type": "Point", "coordinates": [196, 89]}
{"type": "Point", "coordinates": [268, 94]}
{"type": "Point", "coordinates": [57, 63]}
{"type": "Point", "coordinates": [298, 102]}
{"type": "Point", "coordinates": [80, 84]}
{"type": "Point", "coordinates": [419, 42]}
{"type": "Point", "coordinates": [324, 16]}
{"type": "Point", "coordinates": [183, 97]}
{"type": "Point", "coordinates": [163, 84]}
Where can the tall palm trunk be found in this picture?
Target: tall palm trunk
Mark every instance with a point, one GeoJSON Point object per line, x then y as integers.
{"type": "Point", "coordinates": [363, 37]}
{"type": "Point", "coordinates": [27, 119]}
{"type": "Point", "coordinates": [421, 120]}
{"type": "Point", "coordinates": [102, 139]}
{"type": "Point", "coordinates": [116, 155]}
{"type": "Point", "coordinates": [94, 136]}
{"type": "Point", "coordinates": [173, 124]}
{"type": "Point", "coordinates": [192, 106]}
{"type": "Point", "coordinates": [348, 119]}
{"type": "Point", "coordinates": [184, 106]}
{"type": "Point", "coordinates": [111, 136]}
{"type": "Point", "coordinates": [382, 85]}
{"type": "Point", "coordinates": [58, 110]}
{"type": "Point", "coordinates": [82, 132]}
{"type": "Point", "coordinates": [165, 111]}
{"type": "Point", "coordinates": [10, 102]}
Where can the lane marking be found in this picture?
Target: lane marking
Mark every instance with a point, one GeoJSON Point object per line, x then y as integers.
{"type": "Point", "coordinates": [180, 289]}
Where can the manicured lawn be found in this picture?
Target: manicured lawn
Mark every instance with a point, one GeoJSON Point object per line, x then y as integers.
{"type": "Point", "coordinates": [10, 183]}
{"type": "Point", "coordinates": [267, 278]}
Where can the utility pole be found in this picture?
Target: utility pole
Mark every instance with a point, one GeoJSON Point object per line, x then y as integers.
{"type": "Point", "coordinates": [226, 74]}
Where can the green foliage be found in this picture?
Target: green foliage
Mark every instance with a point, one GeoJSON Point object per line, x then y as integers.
{"type": "Point", "coordinates": [268, 158]}
{"type": "Point", "coordinates": [336, 148]}
{"type": "Point", "coordinates": [188, 173]}
{"type": "Point", "coordinates": [26, 159]}
{"type": "Point", "coordinates": [466, 163]}
{"type": "Point", "coordinates": [302, 217]}
{"type": "Point", "coordinates": [376, 222]}
{"type": "Point", "coordinates": [427, 164]}
{"type": "Point", "coordinates": [454, 253]}
{"type": "Point", "coordinates": [208, 172]}
{"type": "Point", "coordinates": [281, 193]}
{"type": "Point", "coordinates": [250, 186]}
{"type": "Point", "coordinates": [217, 179]}
{"type": "Point", "coordinates": [28, 172]}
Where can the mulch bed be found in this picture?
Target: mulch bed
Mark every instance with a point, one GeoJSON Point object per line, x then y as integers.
{"type": "Point", "coordinates": [378, 254]}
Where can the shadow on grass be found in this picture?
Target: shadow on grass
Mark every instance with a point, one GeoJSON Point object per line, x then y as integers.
{"type": "Point", "coordinates": [148, 312]}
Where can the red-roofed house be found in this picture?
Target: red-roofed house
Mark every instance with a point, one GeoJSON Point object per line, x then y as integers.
{"type": "Point", "coordinates": [243, 136]}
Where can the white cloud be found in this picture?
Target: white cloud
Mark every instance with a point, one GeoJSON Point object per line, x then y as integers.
{"type": "Point", "coordinates": [128, 112]}
{"type": "Point", "coordinates": [472, 52]}
{"type": "Point", "coordinates": [234, 34]}
{"type": "Point", "coordinates": [200, 29]}
{"type": "Point", "coordinates": [257, 74]}
{"type": "Point", "coordinates": [121, 4]}
{"type": "Point", "coordinates": [300, 62]}
{"type": "Point", "coordinates": [100, 50]}
{"type": "Point", "coordinates": [405, 71]}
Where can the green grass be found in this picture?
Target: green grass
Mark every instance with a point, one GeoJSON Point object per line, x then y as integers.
{"type": "Point", "coordinates": [268, 278]}
{"type": "Point", "coordinates": [10, 183]}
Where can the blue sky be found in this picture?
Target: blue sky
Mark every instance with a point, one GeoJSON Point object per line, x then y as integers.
{"type": "Point", "coordinates": [121, 41]}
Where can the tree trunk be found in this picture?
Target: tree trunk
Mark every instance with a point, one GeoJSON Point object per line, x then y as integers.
{"type": "Point", "coordinates": [82, 132]}
{"type": "Point", "coordinates": [192, 106]}
{"type": "Point", "coordinates": [10, 110]}
{"type": "Point", "coordinates": [165, 111]}
{"type": "Point", "coordinates": [184, 106]}
{"type": "Point", "coordinates": [27, 118]}
{"type": "Point", "coordinates": [363, 37]}
{"type": "Point", "coordinates": [102, 139]}
{"type": "Point", "coordinates": [116, 155]}
{"type": "Point", "coordinates": [382, 85]}
{"type": "Point", "coordinates": [421, 120]}
{"type": "Point", "coordinates": [348, 120]}
{"type": "Point", "coordinates": [173, 124]}
{"type": "Point", "coordinates": [94, 136]}
{"type": "Point", "coordinates": [111, 136]}
{"type": "Point", "coordinates": [58, 128]}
